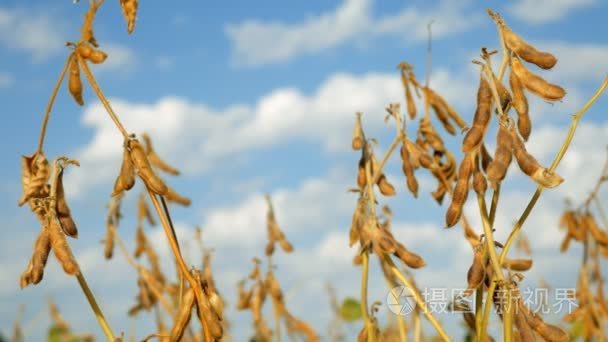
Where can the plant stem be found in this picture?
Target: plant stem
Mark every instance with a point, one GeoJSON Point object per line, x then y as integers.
{"type": "Point", "coordinates": [417, 297]}
{"type": "Point", "coordinates": [170, 233]}
{"type": "Point", "coordinates": [96, 309]}
{"type": "Point", "coordinates": [49, 106]}
{"type": "Point", "coordinates": [369, 326]}
{"type": "Point", "coordinates": [507, 319]}
{"type": "Point", "coordinates": [560, 154]}
{"type": "Point", "coordinates": [489, 238]}
{"type": "Point", "coordinates": [494, 204]}
{"type": "Point", "coordinates": [89, 75]}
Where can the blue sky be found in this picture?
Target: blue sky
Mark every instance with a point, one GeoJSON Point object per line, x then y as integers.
{"type": "Point", "coordinates": [253, 99]}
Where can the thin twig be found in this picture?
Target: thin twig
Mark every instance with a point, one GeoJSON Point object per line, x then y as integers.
{"type": "Point", "coordinates": [96, 309]}
{"type": "Point", "coordinates": [417, 297]}
{"type": "Point", "coordinates": [49, 106]}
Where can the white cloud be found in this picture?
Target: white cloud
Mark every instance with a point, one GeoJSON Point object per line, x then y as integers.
{"type": "Point", "coordinates": [30, 31]}
{"type": "Point", "coordinates": [257, 42]}
{"type": "Point", "coordinates": [543, 11]}
{"type": "Point", "coordinates": [206, 135]}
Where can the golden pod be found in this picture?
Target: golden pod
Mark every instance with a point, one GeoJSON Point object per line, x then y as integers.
{"type": "Point", "coordinates": [461, 190]}
{"type": "Point", "coordinates": [173, 196]}
{"type": "Point", "coordinates": [411, 106]}
{"type": "Point", "coordinates": [74, 82]}
{"type": "Point", "coordinates": [535, 83]}
{"type": "Point", "coordinates": [530, 166]}
{"type": "Point", "coordinates": [108, 242]}
{"type": "Point", "coordinates": [409, 258]}
{"type": "Point", "coordinates": [520, 103]}
{"type": "Point", "coordinates": [61, 249]}
{"type": "Point", "coordinates": [476, 272]}
{"type": "Point", "coordinates": [358, 137]}
{"type": "Point", "coordinates": [35, 269]}
{"type": "Point", "coordinates": [480, 184]}
{"type": "Point", "coordinates": [386, 188]}
{"type": "Point", "coordinates": [497, 169]}
{"type": "Point", "coordinates": [143, 211]}
{"type": "Point", "coordinates": [518, 265]}
{"type": "Point", "coordinates": [526, 51]}
{"type": "Point", "coordinates": [525, 331]}
{"type": "Point", "coordinates": [129, 11]}
{"type": "Point", "coordinates": [63, 211]}
{"type": "Point", "coordinates": [440, 110]}
{"type": "Point", "coordinates": [408, 171]}
{"type": "Point", "coordinates": [97, 56]}
{"type": "Point", "coordinates": [142, 165]}
{"type": "Point", "coordinates": [126, 177]}
{"type": "Point", "coordinates": [481, 119]}
{"type": "Point", "coordinates": [182, 317]}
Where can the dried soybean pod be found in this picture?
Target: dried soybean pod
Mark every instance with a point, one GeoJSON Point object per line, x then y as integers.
{"type": "Point", "coordinates": [408, 171]}
{"type": "Point", "coordinates": [440, 110]}
{"type": "Point", "coordinates": [386, 188]}
{"type": "Point", "coordinates": [173, 196]}
{"type": "Point", "coordinates": [461, 191]}
{"type": "Point", "coordinates": [63, 211]}
{"type": "Point", "coordinates": [481, 118]}
{"type": "Point", "coordinates": [35, 269]}
{"type": "Point", "coordinates": [547, 331]}
{"type": "Point", "coordinates": [530, 166]}
{"type": "Point", "coordinates": [526, 51]}
{"type": "Point", "coordinates": [519, 265]}
{"type": "Point", "coordinates": [108, 242]}
{"type": "Point", "coordinates": [129, 11]}
{"type": "Point", "coordinates": [502, 157]}
{"type": "Point", "coordinates": [140, 241]}
{"type": "Point", "coordinates": [61, 249]}
{"type": "Point", "coordinates": [411, 106]}
{"type": "Point", "coordinates": [480, 184]}
{"type": "Point", "coordinates": [535, 83]}
{"type": "Point", "coordinates": [143, 212]}
{"type": "Point", "coordinates": [155, 159]}
{"type": "Point", "coordinates": [182, 318]}
{"type": "Point", "coordinates": [126, 177]}
{"type": "Point", "coordinates": [591, 225]}
{"type": "Point", "coordinates": [486, 158]}
{"type": "Point", "coordinates": [409, 258]}
{"type": "Point", "coordinates": [525, 331]}
{"type": "Point", "coordinates": [451, 112]}
{"type": "Point", "coordinates": [74, 82]}
{"type": "Point", "coordinates": [285, 245]}
{"type": "Point", "coordinates": [358, 138]}
{"type": "Point", "coordinates": [476, 272]}
{"type": "Point", "coordinates": [361, 177]}
{"type": "Point", "coordinates": [142, 165]}
{"type": "Point", "coordinates": [520, 103]}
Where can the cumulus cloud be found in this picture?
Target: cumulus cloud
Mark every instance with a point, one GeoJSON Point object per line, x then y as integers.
{"type": "Point", "coordinates": [257, 42]}
{"type": "Point", "coordinates": [543, 11]}
{"type": "Point", "coordinates": [33, 32]}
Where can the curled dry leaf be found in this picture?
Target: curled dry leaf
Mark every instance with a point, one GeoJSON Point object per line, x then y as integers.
{"type": "Point", "coordinates": [35, 172]}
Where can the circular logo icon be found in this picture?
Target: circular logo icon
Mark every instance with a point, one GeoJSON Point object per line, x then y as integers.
{"type": "Point", "coordinates": [400, 301]}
